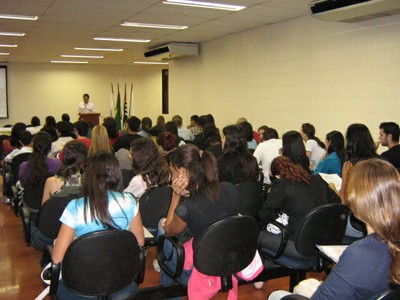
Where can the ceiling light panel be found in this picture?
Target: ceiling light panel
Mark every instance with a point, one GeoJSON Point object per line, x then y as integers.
{"type": "Point", "coordinates": [68, 62]}
{"type": "Point", "coordinates": [12, 33]}
{"type": "Point", "coordinates": [100, 49]}
{"type": "Point", "coordinates": [8, 45]}
{"type": "Point", "coordinates": [159, 26]}
{"type": "Point", "coordinates": [120, 40]}
{"type": "Point", "coordinates": [19, 17]}
{"type": "Point", "coordinates": [150, 63]}
{"type": "Point", "coordinates": [201, 4]}
{"type": "Point", "coordinates": [81, 56]}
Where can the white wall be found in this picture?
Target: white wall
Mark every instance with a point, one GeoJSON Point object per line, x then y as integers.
{"type": "Point", "coordinates": [49, 89]}
{"type": "Point", "coordinates": [303, 70]}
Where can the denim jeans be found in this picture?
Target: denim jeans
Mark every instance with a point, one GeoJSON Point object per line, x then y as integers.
{"type": "Point", "coordinates": [171, 264]}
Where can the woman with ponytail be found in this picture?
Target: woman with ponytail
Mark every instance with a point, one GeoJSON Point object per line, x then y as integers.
{"type": "Point", "coordinates": [371, 265]}
{"type": "Point", "coordinates": [39, 166]}
{"type": "Point", "coordinates": [74, 155]}
{"type": "Point", "coordinates": [315, 148]}
{"type": "Point", "coordinates": [198, 199]}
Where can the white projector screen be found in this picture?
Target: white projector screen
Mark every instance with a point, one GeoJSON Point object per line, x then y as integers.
{"type": "Point", "coordinates": [3, 92]}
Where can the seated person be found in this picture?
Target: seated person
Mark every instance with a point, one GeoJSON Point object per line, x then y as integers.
{"type": "Point", "coordinates": [206, 201]}
{"type": "Point", "coordinates": [126, 140]}
{"type": "Point", "coordinates": [74, 155]}
{"type": "Point", "coordinates": [25, 141]}
{"type": "Point", "coordinates": [236, 164]}
{"type": "Point", "coordinates": [332, 163]}
{"type": "Point", "coordinates": [81, 132]}
{"type": "Point", "coordinates": [64, 135]}
{"type": "Point", "coordinates": [39, 166]}
{"type": "Point", "coordinates": [315, 148]}
{"type": "Point", "coordinates": [103, 206]}
{"type": "Point", "coordinates": [293, 194]}
{"type": "Point", "coordinates": [368, 266]}
{"type": "Point", "coordinates": [149, 166]}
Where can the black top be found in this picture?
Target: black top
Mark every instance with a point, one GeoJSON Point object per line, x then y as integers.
{"type": "Point", "coordinates": [296, 199]}
{"type": "Point", "coordinates": [199, 215]}
{"type": "Point", "coordinates": [393, 156]}
{"type": "Point", "coordinates": [240, 172]}
{"type": "Point", "coordinates": [125, 141]}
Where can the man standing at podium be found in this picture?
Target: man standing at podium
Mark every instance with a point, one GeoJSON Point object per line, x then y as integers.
{"type": "Point", "coordinates": [86, 107]}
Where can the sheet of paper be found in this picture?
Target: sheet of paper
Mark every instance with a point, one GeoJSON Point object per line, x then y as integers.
{"type": "Point", "coordinates": [147, 233]}
{"type": "Point", "coordinates": [332, 178]}
{"type": "Point", "coordinates": [333, 251]}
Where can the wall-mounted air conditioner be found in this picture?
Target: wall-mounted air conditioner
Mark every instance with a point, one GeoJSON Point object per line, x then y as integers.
{"type": "Point", "coordinates": [353, 10]}
{"type": "Point", "coordinates": [172, 50]}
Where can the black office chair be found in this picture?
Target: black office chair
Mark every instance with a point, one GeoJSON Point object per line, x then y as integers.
{"type": "Point", "coordinates": [99, 264]}
{"type": "Point", "coordinates": [391, 294]}
{"type": "Point", "coordinates": [154, 205]}
{"type": "Point", "coordinates": [250, 197]}
{"type": "Point", "coordinates": [324, 225]}
{"type": "Point", "coordinates": [226, 247]}
{"type": "Point", "coordinates": [48, 224]}
{"type": "Point", "coordinates": [14, 177]}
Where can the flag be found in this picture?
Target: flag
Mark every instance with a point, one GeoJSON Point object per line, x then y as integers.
{"type": "Point", "coordinates": [125, 108]}
{"type": "Point", "coordinates": [112, 104]}
{"type": "Point", "coordinates": [118, 111]}
{"type": "Point", "coordinates": [131, 107]}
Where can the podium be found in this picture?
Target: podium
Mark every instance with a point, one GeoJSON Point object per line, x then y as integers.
{"type": "Point", "coordinates": [90, 118]}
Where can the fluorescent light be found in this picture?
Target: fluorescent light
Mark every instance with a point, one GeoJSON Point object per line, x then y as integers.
{"type": "Point", "coordinates": [68, 62]}
{"type": "Point", "coordinates": [81, 56]}
{"type": "Point", "coordinates": [100, 49]}
{"type": "Point", "coordinates": [19, 17]}
{"type": "Point", "coordinates": [4, 53]}
{"type": "Point", "coordinates": [160, 26]}
{"type": "Point", "coordinates": [120, 40]}
{"type": "Point", "coordinates": [201, 4]}
{"type": "Point", "coordinates": [12, 33]}
{"type": "Point", "coordinates": [8, 45]}
{"type": "Point", "coordinates": [150, 63]}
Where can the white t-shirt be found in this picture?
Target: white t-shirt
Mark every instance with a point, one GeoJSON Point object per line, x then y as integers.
{"type": "Point", "coordinates": [265, 154]}
{"type": "Point", "coordinates": [316, 151]}
{"type": "Point", "coordinates": [86, 108]}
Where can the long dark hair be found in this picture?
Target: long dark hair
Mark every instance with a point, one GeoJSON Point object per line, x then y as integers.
{"type": "Point", "coordinates": [336, 144]}
{"type": "Point", "coordinates": [74, 156]}
{"type": "Point", "coordinates": [359, 143]}
{"type": "Point", "coordinates": [102, 174]}
{"type": "Point", "coordinates": [294, 149]}
{"type": "Point", "coordinates": [41, 144]}
{"type": "Point", "coordinates": [202, 168]}
{"type": "Point", "coordinates": [309, 130]}
{"type": "Point", "coordinates": [148, 162]}
{"type": "Point", "coordinates": [236, 153]}
{"type": "Point", "coordinates": [15, 131]}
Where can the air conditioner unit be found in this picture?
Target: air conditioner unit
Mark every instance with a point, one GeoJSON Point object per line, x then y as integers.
{"type": "Point", "coordinates": [353, 10]}
{"type": "Point", "coordinates": [173, 50]}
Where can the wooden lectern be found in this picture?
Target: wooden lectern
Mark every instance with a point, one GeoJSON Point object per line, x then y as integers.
{"type": "Point", "coordinates": [90, 118]}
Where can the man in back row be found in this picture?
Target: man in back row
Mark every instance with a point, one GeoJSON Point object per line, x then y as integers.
{"type": "Point", "coordinates": [389, 136]}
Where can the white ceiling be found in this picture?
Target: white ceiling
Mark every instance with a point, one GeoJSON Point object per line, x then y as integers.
{"type": "Point", "coordinates": [65, 24]}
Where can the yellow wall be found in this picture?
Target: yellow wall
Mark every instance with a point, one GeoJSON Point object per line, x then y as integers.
{"type": "Point", "coordinates": [49, 89]}
{"type": "Point", "coordinates": [304, 70]}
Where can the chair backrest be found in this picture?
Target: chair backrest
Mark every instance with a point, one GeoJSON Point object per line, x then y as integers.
{"type": "Point", "coordinates": [250, 197]}
{"type": "Point", "coordinates": [227, 247]}
{"type": "Point", "coordinates": [15, 163]}
{"type": "Point", "coordinates": [50, 213]}
{"type": "Point", "coordinates": [153, 205]}
{"type": "Point", "coordinates": [33, 196]}
{"type": "Point", "coordinates": [101, 263]}
{"type": "Point", "coordinates": [324, 225]}
{"type": "Point", "coordinates": [391, 294]}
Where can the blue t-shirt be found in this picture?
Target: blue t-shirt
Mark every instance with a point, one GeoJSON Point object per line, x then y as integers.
{"type": "Point", "coordinates": [330, 165]}
{"type": "Point", "coordinates": [361, 273]}
{"type": "Point", "coordinates": [121, 206]}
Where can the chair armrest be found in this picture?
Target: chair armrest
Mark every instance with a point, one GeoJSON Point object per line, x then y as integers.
{"type": "Point", "coordinates": [142, 267]}
{"type": "Point", "coordinates": [54, 270]}
{"type": "Point", "coordinates": [163, 258]}
{"type": "Point", "coordinates": [295, 297]}
{"type": "Point", "coordinates": [284, 239]}
{"type": "Point", "coordinates": [26, 223]}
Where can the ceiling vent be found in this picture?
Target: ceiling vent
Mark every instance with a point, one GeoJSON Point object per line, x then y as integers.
{"type": "Point", "coordinates": [172, 51]}
{"type": "Point", "coordinates": [353, 10]}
